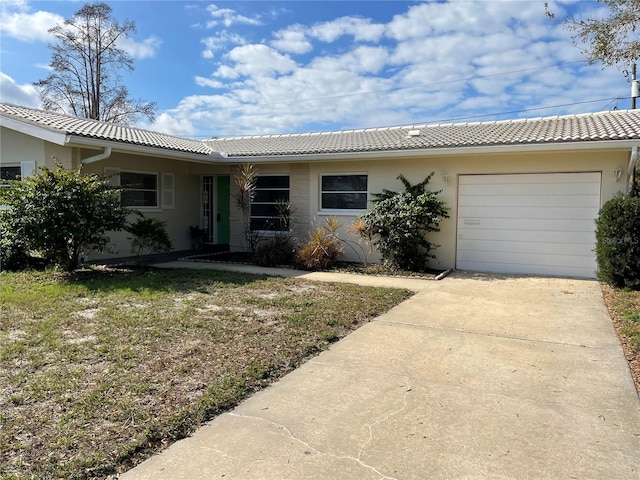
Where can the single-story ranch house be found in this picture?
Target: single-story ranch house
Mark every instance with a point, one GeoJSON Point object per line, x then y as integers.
{"type": "Point", "coordinates": [522, 194]}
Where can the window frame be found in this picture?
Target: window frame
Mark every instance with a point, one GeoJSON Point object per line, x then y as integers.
{"type": "Point", "coordinates": [273, 189]}
{"type": "Point", "coordinates": [117, 181]}
{"type": "Point", "coordinates": [341, 211]}
{"type": "Point", "coordinates": [168, 193]}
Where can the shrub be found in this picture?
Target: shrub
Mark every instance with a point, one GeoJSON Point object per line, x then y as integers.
{"type": "Point", "coordinates": [280, 250]}
{"type": "Point", "coordinates": [322, 251]}
{"type": "Point", "coordinates": [62, 214]}
{"type": "Point", "coordinates": [150, 234]}
{"type": "Point", "coordinates": [618, 242]}
{"type": "Point", "coordinates": [401, 221]}
{"type": "Point", "coordinates": [13, 251]}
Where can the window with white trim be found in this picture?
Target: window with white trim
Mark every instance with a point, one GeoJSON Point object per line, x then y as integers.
{"type": "Point", "coordinates": [138, 189]}
{"type": "Point", "coordinates": [271, 197]}
{"type": "Point", "coordinates": [168, 190]}
{"type": "Point", "coordinates": [343, 192]}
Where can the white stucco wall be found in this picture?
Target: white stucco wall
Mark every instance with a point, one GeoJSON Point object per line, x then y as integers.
{"type": "Point", "coordinates": [382, 174]}
{"type": "Point", "coordinates": [16, 147]}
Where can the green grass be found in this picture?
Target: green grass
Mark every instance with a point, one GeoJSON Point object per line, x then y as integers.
{"type": "Point", "coordinates": [101, 368]}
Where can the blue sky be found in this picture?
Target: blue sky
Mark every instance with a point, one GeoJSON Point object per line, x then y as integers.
{"type": "Point", "coordinates": [262, 67]}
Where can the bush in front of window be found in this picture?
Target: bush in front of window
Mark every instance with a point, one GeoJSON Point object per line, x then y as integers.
{"type": "Point", "coordinates": [323, 249]}
{"type": "Point", "coordinates": [280, 250]}
{"type": "Point", "coordinates": [618, 242]}
{"type": "Point", "coordinates": [62, 214]}
{"type": "Point", "coordinates": [400, 223]}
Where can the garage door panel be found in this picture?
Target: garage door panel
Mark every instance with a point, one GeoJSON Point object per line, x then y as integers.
{"type": "Point", "coordinates": [531, 178]}
{"type": "Point", "coordinates": [525, 247]}
{"type": "Point", "coordinates": [522, 201]}
{"type": "Point", "coordinates": [508, 212]}
{"type": "Point", "coordinates": [529, 258]}
{"type": "Point", "coordinates": [530, 189]}
{"type": "Point", "coordinates": [528, 223]}
{"type": "Point", "coordinates": [547, 236]}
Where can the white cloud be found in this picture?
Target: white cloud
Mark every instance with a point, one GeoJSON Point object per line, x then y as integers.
{"type": "Point", "coordinates": [208, 82]}
{"type": "Point", "coordinates": [436, 61]}
{"type": "Point", "coordinates": [228, 17]}
{"type": "Point", "coordinates": [170, 124]}
{"type": "Point", "coordinates": [360, 28]}
{"type": "Point", "coordinates": [140, 50]}
{"type": "Point", "coordinates": [259, 60]}
{"type": "Point", "coordinates": [29, 27]}
{"type": "Point", "coordinates": [292, 39]}
{"type": "Point", "coordinates": [11, 92]}
{"type": "Point", "coordinates": [220, 41]}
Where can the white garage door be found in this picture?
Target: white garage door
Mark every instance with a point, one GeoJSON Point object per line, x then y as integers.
{"type": "Point", "coordinates": [528, 223]}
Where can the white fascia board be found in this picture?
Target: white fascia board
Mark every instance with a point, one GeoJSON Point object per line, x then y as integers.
{"type": "Point", "coordinates": [432, 152]}
{"type": "Point", "coordinates": [77, 141]}
{"type": "Point", "coordinates": [43, 133]}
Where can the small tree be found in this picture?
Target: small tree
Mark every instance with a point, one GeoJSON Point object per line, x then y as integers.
{"type": "Point", "coordinates": [245, 180]}
{"type": "Point", "coordinates": [148, 234]}
{"type": "Point", "coordinates": [401, 221]}
{"type": "Point", "coordinates": [62, 214]}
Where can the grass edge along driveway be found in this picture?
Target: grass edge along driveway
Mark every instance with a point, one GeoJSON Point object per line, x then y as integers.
{"type": "Point", "coordinates": [103, 367]}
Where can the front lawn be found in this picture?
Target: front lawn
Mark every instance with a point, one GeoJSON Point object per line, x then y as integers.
{"type": "Point", "coordinates": [624, 307]}
{"type": "Point", "coordinates": [101, 368]}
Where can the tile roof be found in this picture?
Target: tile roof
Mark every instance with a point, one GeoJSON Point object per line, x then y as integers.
{"type": "Point", "coordinates": [83, 127]}
{"type": "Point", "coordinates": [614, 125]}
{"type": "Point", "coordinates": [592, 127]}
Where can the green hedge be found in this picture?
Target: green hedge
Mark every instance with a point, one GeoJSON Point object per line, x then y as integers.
{"type": "Point", "coordinates": [618, 242]}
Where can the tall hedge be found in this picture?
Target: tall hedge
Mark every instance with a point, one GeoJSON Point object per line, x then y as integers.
{"type": "Point", "coordinates": [618, 242]}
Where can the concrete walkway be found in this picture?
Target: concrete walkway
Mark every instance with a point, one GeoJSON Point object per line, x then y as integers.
{"type": "Point", "coordinates": [474, 377]}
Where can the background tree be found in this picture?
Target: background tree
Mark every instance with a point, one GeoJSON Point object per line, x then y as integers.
{"type": "Point", "coordinates": [85, 61]}
{"type": "Point", "coordinates": [61, 214]}
{"type": "Point", "coordinates": [611, 40]}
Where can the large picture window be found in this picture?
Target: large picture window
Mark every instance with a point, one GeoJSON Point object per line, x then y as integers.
{"type": "Point", "coordinates": [271, 195]}
{"type": "Point", "coordinates": [139, 189]}
{"type": "Point", "coordinates": [344, 192]}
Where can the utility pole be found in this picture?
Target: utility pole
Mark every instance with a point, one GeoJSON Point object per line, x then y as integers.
{"type": "Point", "coordinates": [635, 90]}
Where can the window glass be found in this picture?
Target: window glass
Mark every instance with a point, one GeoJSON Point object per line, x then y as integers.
{"type": "Point", "coordinates": [10, 173]}
{"type": "Point", "coordinates": [139, 189]}
{"type": "Point", "coordinates": [344, 192]}
{"type": "Point", "coordinates": [272, 191]}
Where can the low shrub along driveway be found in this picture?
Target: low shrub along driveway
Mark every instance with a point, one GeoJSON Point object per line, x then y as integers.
{"type": "Point", "coordinates": [100, 368]}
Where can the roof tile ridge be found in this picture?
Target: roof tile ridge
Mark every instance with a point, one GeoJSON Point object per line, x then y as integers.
{"type": "Point", "coordinates": [94, 121]}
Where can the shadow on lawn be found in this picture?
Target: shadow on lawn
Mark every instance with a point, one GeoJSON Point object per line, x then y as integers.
{"type": "Point", "coordinates": [147, 278]}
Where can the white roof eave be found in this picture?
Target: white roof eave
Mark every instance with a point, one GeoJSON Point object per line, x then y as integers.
{"type": "Point", "coordinates": [44, 133]}
{"type": "Point", "coordinates": [77, 141]}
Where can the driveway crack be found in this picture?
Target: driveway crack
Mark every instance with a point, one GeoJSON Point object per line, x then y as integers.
{"type": "Point", "coordinates": [307, 445]}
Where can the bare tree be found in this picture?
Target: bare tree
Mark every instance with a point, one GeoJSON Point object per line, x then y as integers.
{"type": "Point", "coordinates": [85, 61]}
{"type": "Point", "coordinates": [613, 39]}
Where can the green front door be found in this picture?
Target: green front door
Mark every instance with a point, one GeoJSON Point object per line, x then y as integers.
{"type": "Point", "coordinates": [224, 203]}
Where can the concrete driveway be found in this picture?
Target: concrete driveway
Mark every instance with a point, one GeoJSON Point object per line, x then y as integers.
{"type": "Point", "coordinates": [475, 377]}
